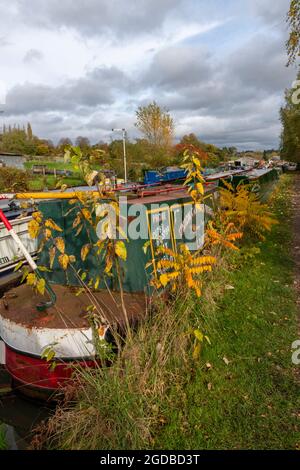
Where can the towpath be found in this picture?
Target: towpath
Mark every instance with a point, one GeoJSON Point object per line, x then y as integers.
{"type": "Point", "coordinates": [296, 247]}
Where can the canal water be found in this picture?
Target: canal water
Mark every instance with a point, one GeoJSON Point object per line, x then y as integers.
{"type": "Point", "coordinates": [19, 415]}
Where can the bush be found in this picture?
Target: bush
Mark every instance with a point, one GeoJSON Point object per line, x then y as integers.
{"type": "Point", "coordinates": [13, 179]}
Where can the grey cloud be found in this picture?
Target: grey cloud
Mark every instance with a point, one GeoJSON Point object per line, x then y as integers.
{"type": "Point", "coordinates": [245, 139]}
{"type": "Point", "coordinates": [271, 11]}
{"type": "Point", "coordinates": [179, 67]}
{"type": "Point", "coordinates": [261, 64]}
{"type": "Point", "coordinates": [232, 100]}
{"type": "Point", "coordinates": [98, 87]}
{"type": "Point", "coordinates": [242, 93]}
{"type": "Point", "coordinates": [97, 17]}
{"type": "Point", "coordinates": [4, 42]}
{"type": "Point", "coordinates": [249, 132]}
{"type": "Point", "coordinates": [254, 72]}
{"type": "Point", "coordinates": [33, 55]}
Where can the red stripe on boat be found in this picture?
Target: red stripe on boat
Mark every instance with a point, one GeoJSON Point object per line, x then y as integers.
{"type": "Point", "coordinates": [36, 372]}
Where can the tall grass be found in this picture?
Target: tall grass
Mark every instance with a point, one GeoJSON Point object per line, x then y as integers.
{"type": "Point", "coordinates": [121, 406]}
{"type": "Point", "coordinates": [3, 443]}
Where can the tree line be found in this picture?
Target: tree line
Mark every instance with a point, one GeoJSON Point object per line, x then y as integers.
{"type": "Point", "coordinates": [156, 147]}
{"type": "Point", "coordinates": [290, 112]}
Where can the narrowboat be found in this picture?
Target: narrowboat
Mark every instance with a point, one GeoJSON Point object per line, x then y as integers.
{"type": "Point", "coordinates": [290, 166]}
{"type": "Point", "coordinates": [10, 254]}
{"type": "Point", "coordinates": [261, 180]}
{"type": "Point", "coordinates": [65, 328]}
{"type": "Point", "coordinates": [170, 174]}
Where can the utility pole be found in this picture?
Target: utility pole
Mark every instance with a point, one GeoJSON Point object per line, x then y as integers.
{"type": "Point", "coordinates": [123, 130]}
{"type": "Point", "coordinates": [1, 112]}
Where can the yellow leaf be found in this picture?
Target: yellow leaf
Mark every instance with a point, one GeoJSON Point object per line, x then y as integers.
{"type": "Point", "coordinates": [196, 351]}
{"type": "Point", "coordinates": [199, 335]}
{"type": "Point", "coordinates": [31, 279]}
{"type": "Point", "coordinates": [165, 264]}
{"type": "Point", "coordinates": [200, 188]}
{"type": "Point", "coordinates": [194, 194]}
{"type": "Point", "coordinates": [203, 260]}
{"type": "Point", "coordinates": [77, 220]}
{"type": "Point", "coordinates": [207, 339]}
{"type": "Point", "coordinates": [60, 244]}
{"type": "Point", "coordinates": [101, 331]}
{"type": "Point", "coordinates": [164, 279]}
{"type": "Point", "coordinates": [190, 280]}
{"type": "Point", "coordinates": [108, 265]}
{"type": "Point", "coordinates": [201, 269]}
{"type": "Point", "coordinates": [79, 230]}
{"type": "Point", "coordinates": [48, 353]}
{"type": "Point", "coordinates": [87, 215]}
{"type": "Point", "coordinates": [37, 216]}
{"type": "Point", "coordinates": [85, 251]}
{"type": "Point", "coordinates": [52, 252]}
{"type": "Point", "coordinates": [97, 283]}
{"type": "Point", "coordinates": [41, 286]}
{"type": "Point", "coordinates": [48, 233]}
{"type": "Point", "coordinates": [18, 266]}
{"type": "Point", "coordinates": [51, 224]}
{"type": "Point", "coordinates": [63, 261]}
{"type": "Point", "coordinates": [33, 228]}
{"type": "Point", "coordinates": [198, 291]}
{"type": "Point", "coordinates": [146, 246]}
{"type": "Point", "coordinates": [120, 250]}
{"type": "Point", "coordinates": [196, 162]}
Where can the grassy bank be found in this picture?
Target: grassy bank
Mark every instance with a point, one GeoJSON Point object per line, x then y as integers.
{"type": "Point", "coordinates": [39, 183]}
{"type": "Point", "coordinates": [58, 165]}
{"type": "Point", "coordinates": [244, 394]}
{"type": "Point", "coordinates": [240, 393]}
{"type": "Point", "coordinates": [16, 180]}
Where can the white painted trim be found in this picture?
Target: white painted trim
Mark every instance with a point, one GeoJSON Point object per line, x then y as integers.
{"type": "Point", "coordinates": [66, 342]}
{"type": "Point", "coordinates": [2, 352]}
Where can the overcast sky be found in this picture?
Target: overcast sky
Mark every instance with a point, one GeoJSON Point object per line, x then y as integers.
{"type": "Point", "coordinates": [82, 67]}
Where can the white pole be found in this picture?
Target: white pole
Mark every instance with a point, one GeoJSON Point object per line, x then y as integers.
{"type": "Point", "coordinates": [16, 238]}
{"type": "Point", "coordinates": [124, 150]}
{"type": "Point", "coordinates": [29, 259]}
{"type": "Point", "coordinates": [124, 153]}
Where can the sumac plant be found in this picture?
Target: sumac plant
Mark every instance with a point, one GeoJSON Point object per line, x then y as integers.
{"type": "Point", "coordinates": [180, 267]}
{"type": "Point", "coordinates": [242, 208]}
{"type": "Point", "coordinates": [86, 211]}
